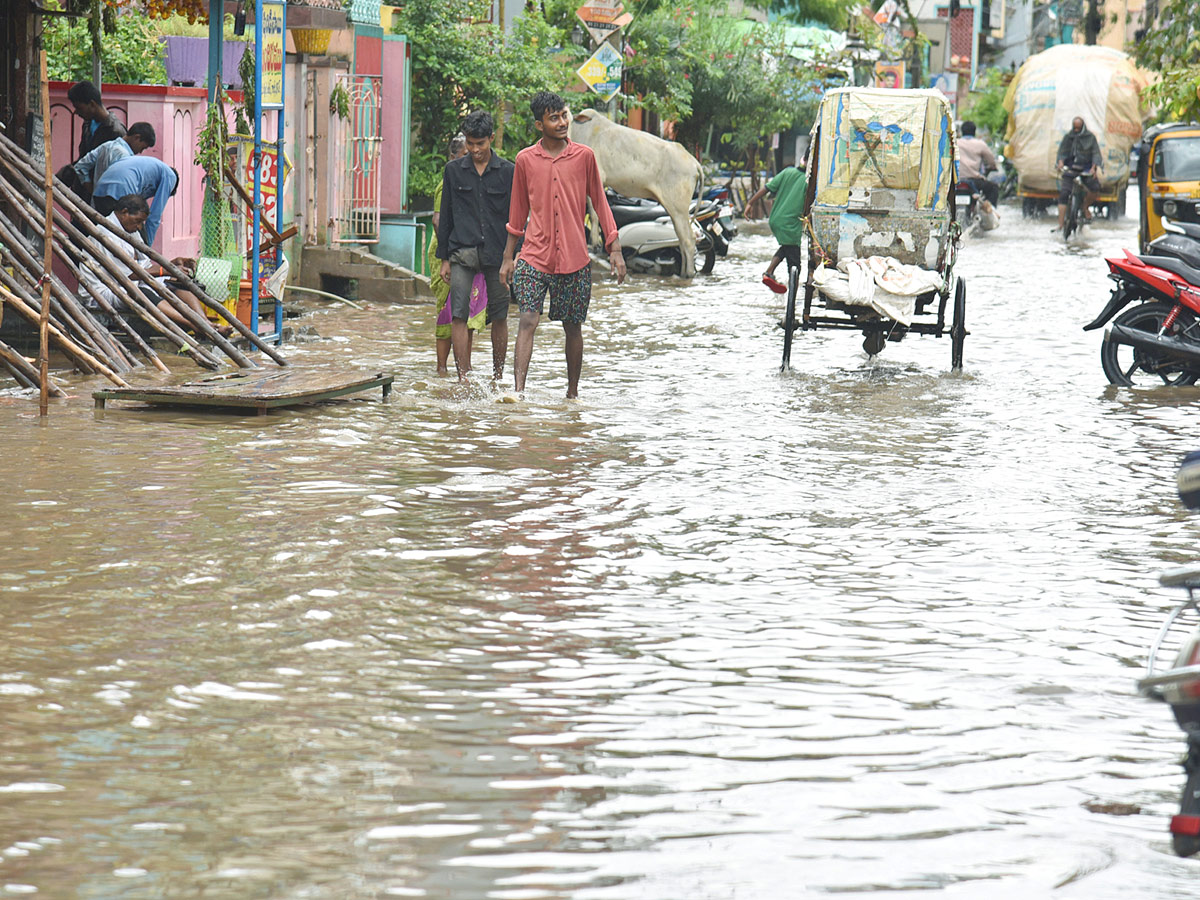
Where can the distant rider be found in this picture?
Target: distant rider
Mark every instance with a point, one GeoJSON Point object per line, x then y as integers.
{"type": "Point", "coordinates": [975, 159]}
{"type": "Point", "coordinates": [1079, 150]}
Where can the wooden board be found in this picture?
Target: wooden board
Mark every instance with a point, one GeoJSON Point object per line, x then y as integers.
{"type": "Point", "coordinates": [257, 389]}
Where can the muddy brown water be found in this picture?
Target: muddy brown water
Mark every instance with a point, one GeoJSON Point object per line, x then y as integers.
{"type": "Point", "coordinates": [865, 629]}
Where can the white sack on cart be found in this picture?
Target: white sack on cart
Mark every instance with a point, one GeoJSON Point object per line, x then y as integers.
{"type": "Point", "coordinates": [883, 283]}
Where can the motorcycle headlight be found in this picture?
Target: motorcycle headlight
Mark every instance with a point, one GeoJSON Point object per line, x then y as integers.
{"type": "Point", "coordinates": [1170, 208]}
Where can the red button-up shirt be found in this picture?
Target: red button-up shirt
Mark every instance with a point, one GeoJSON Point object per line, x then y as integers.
{"type": "Point", "coordinates": [549, 202]}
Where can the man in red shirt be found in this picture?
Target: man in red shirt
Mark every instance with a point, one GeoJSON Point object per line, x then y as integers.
{"type": "Point", "coordinates": [551, 185]}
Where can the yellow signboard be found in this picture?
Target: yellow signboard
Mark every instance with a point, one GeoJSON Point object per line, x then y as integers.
{"type": "Point", "coordinates": [602, 71]}
{"type": "Point", "coordinates": [272, 54]}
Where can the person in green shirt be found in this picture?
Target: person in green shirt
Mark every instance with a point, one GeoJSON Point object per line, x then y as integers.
{"type": "Point", "coordinates": [788, 187]}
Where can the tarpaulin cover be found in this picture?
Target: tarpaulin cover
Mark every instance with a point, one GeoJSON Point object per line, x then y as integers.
{"type": "Point", "coordinates": [899, 140]}
{"type": "Point", "coordinates": [1099, 84]}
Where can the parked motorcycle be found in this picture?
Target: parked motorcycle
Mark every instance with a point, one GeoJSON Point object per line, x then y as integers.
{"type": "Point", "coordinates": [648, 237]}
{"type": "Point", "coordinates": [1179, 685]}
{"type": "Point", "coordinates": [1158, 338]}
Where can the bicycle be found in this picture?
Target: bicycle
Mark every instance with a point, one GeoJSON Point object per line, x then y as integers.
{"type": "Point", "coordinates": [1075, 205]}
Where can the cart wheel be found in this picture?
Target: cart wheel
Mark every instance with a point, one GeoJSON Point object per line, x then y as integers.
{"type": "Point", "coordinates": [1029, 208]}
{"type": "Point", "coordinates": [789, 317]}
{"type": "Point", "coordinates": [958, 325]}
{"type": "Point", "coordinates": [873, 342]}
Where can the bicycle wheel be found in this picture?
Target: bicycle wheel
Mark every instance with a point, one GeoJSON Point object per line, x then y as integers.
{"type": "Point", "coordinates": [1074, 211]}
{"type": "Point", "coordinates": [789, 317]}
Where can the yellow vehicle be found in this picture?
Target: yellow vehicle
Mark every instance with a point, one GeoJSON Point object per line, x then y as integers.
{"type": "Point", "coordinates": [1168, 176]}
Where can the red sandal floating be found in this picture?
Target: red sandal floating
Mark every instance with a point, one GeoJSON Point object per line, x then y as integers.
{"type": "Point", "coordinates": [774, 285]}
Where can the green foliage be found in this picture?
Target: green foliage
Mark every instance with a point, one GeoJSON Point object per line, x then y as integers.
{"type": "Point", "coordinates": [179, 26]}
{"type": "Point", "coordinates": [210, 146]}
{"type": "Point", "coordinates": [985, 104]}
{"type": "Point", "coordinates": [339, 102]}
{"type": "Point", "coordinates": [460, 65]}
{"type": "Point", "coordinates": [835, 13]}
{"type": "Point", "coordinates": [1171, 47]}
{"type": "Point", "coordinates": [131, 52]}
{"type": "Point", "coordinates": [246, 70]}
{"type": "Point", "coordinates": [715, 74]}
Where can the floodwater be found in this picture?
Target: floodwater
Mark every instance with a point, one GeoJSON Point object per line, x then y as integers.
{"type": "Point", "coordinates": [865, 628]}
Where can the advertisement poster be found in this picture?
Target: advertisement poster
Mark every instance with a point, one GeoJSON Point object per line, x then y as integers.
{"type": "Point", "coordinates": [272, 54]}
{"type": "Point", "coordinates": [889, 74]}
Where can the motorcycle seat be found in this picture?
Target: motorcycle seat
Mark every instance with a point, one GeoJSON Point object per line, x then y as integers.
{"type": "Point", "coordinates": [626, 214]}
{"type": "Point", "coordinates": [1175, 267]}
{"type": "Point", "coordinates": [1191, 229]}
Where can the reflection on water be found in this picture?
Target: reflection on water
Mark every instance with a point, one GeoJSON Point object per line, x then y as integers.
{"type": "Point", "coordinates": [866, 628]}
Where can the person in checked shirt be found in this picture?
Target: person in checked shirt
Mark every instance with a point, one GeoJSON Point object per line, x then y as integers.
{"type": "Point", "coordinates": [552, 183]}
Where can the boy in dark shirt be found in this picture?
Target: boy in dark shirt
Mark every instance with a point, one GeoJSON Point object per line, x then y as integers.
{"type": "Point", "coordinates": [471, 238]}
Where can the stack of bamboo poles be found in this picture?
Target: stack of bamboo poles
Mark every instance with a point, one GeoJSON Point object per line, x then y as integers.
{"type": "Point", "coordinates": [76, 242]}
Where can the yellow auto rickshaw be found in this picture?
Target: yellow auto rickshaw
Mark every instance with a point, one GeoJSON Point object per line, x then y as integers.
{"type": "Point", "coordinates": [1168, 176]}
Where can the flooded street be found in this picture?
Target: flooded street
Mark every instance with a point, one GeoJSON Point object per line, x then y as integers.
{"type": "Point", "coordinates": [865, 629]}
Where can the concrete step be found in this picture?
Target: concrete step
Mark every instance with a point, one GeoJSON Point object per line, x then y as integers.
{"type": "Point", "coordinates": [355, 272]}
{"type": "Point", "coordinates": [389, 290]}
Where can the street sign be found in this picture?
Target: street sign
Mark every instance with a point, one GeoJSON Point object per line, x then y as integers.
{"type": "Point", "coordinates": [272, 54]}
{"type": "Point", "coordinates": [602, 17]}
{"type": "Point", "coordinates": [602, 71]}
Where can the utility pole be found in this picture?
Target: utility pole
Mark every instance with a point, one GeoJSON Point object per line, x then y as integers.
{"type": "Point", "coordinates": [1092, 22]}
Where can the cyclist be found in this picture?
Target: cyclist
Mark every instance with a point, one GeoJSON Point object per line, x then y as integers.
{"type": "Point", "coordinates": [1078, 152]}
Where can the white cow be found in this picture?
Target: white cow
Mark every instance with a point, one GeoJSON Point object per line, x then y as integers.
{"type": "Point", "coordinates": [638, 164]}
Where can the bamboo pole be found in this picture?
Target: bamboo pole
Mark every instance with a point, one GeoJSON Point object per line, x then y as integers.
{"type": "Point", "coordinates": [29, 311]}
{"type": "Point", "coordinates": [69, 200]}
{"type": "Point", "coordinates": [73, 259]}
{"type": "Point", "coordinates": [47, 253]}
{"type": "Point", "coordinates": [83, 213]}
{"type": "Point", "coordinates": [137, 301]}
{"type": "Point", "coordinates": [87, 330]}
{"type": "Point", "coordinates": [21, 306]}
{"type": "Point", "coordinates": [25, 373]}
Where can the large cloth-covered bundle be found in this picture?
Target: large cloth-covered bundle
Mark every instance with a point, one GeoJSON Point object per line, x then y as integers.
{"type": "Point", "coordinates": [1098, 84]}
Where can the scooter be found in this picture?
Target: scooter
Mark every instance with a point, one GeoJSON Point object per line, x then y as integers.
{"type": "Point", "coordinates": [648, 238]}
{"type": "Point", "coordinates": [1179, 685]}
{"type": "Point", "coordinates": [971, 213]}
{"type": "Point", "coordinates": [1160, 336]}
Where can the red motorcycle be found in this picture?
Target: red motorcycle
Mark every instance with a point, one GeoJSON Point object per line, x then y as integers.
{"type": "Point", "coordinates": [1158, 340]}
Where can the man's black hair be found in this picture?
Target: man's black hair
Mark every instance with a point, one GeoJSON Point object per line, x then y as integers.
{"type": "Point", "coordinates": [968, 128]}
{"type": "Point", "coordinates": [544, 102]}
{"type": "Point", "coordinates": [174, 189]}
{"type": "Point", "coordinates": [84, 92]}
{"type": "Point", "coordinates": [143, 130]}
{"type": "Point", "coordinates": [478, 124]}
{"type": "Point", "coordinates": [133, 203]}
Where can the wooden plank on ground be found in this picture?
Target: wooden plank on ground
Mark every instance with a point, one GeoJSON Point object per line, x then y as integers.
{"type": "Point", "coordinates": [256, 389]}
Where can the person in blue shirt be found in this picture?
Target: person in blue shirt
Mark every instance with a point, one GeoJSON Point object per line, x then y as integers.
{"type": "Point", "coordinates": [96, 163]}
{"type": "Point", "coordinates": [149, 178]}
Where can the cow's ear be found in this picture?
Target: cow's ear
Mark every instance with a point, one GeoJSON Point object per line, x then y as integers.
{"type": "Point", "coordinates": [583, 116]}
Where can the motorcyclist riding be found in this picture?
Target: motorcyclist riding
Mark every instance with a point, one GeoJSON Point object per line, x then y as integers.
{"type": "Point", "coordinates": [1081, 151]}
{"type": "Point", "coordinates": [975, 158]}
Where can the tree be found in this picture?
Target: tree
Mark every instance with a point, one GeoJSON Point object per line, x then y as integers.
{"type": "Point", "coordinates": [834, 13]}
{"type": "Point", "coordinates": [713, 74]}
{"type": "Point", "coordinates": [1170, 45]}
{"type": "Point", "coordinates": [462, 63]}
{"type": "Point", "coordinates": [130, 54]}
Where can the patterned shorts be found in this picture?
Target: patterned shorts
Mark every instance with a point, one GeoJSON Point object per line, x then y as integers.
{"type": "Point", "coordinates": [570, 293]}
